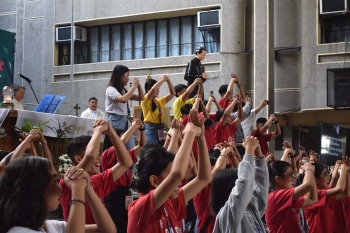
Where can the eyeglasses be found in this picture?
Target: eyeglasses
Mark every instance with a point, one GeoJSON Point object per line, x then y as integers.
{"type": "Point", "coordinates": [292, 175]}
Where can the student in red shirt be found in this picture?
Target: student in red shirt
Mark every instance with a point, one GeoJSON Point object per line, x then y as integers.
{"type": "Point", "coordinates": [206, 220]}
{"type": "Point", "coordinates": [226, 126]}
{"type": "Point", "coordinates": [29, 190]}
{"type": "Point", "coordinates": [162, 204]}
{"type": "Point", "coordinates": [84, 152]}
{"type": "Point", "coordinates": [320, 215]}
{"type": "Point", "coordinates": [346, 205]}
{"type": "Point", "coordinates": [226, 92]}
{"type": "Point", "coordinates": [285, 200]}
{"type": "Point", "coordinates": [262, 125]}
{"type": "Point", "coordinates": [115, 201]}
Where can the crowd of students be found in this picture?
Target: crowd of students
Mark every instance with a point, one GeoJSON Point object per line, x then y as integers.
{"type": "Point", "coordinates": [210, 172]}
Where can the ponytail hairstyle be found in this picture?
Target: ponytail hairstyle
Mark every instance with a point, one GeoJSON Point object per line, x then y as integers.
{"type": "Point", "coordinates": [276, 168]}
{"type": "Point", "coordinates": [154, 159]}
{"type": "Point", "coordinates": [223, 183]}
{"type": "Point", "coordinates": [148, 86]}
{"type": "Point", "coordinates": [116, 78]}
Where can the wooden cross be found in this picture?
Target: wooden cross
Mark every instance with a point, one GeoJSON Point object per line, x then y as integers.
{"type": "Point", "coordinates": [76, 107]}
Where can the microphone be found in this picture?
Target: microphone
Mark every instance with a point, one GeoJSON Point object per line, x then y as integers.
{"type": "Point", "coordinates": [24, 77]}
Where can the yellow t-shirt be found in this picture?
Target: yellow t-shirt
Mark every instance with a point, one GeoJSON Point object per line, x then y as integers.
{"type": "Point", "coordinates": [148, 115]}
{"type": "Point", "coordinates": [177, 105]}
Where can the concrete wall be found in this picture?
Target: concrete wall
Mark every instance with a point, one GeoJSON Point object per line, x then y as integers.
{"type": "Point", "coordinates": [293, 79]}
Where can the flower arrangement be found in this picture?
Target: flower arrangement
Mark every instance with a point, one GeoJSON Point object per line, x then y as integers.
{"type": "Point", "coordinates": [64, 163]}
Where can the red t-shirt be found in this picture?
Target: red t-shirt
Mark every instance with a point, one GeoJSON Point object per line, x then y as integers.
{"type": "Point", "coordinates": [339, 225]}
{"type": "Point", "coordinates": [224, 103]}
{"type": "Point", "coordinates": [319, 216]}
{"type": "Point", "coordinates": [101, 183]}
{"type": "Point", "coordinates": [282, 211]}
{"type": "Point", "coordinates": [201, 205]}
{"type": "Point", "coordinates": [109, 159]}
{"type": "Point", "coordinates": [222, 133]}
{"type": "Point", "coordinates": [346, 205]}
{"type": "Point", "coordinates": [263, 139]}
{"type": "Point", "coordinates": [144, 219]}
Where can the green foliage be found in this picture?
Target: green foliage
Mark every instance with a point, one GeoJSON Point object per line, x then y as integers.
{"type": "Point", "coordinates": [29, 126]}
{"type": "Point", "coordinates": [61, 139]}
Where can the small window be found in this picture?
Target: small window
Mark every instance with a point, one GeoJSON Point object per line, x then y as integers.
{"type": "Point", "coordinates": [336, 29]}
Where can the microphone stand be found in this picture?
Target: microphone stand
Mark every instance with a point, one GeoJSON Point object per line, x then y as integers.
{"type": "Point", "coordinates": [29, 82]}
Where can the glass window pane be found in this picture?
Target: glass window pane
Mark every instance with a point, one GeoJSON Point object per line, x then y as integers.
{"type": "Point", "coordinates": [186, 36]}
{"type": "Point", "coordinates": [150, 42]}
{"type": "Point", "coordinates": [127, 42]}
{"type": "Point", "coordinates": [198, 38]}
{"type": "Point", "coordinates": [138, 40]}
{"type": "Point", "coordinates": [174, 39]}
{"type": "Point", "coordinates": [115, 43]}
{"type": "Point", "coordinates": [213, 41]}
{"type": "Point", "coordinates": [162, 38]}
{"type": "Point", "coordinates": [94, 45]}
{"type": "Point", "coordinates": [105, 43]}
{"type": "Point", "coordinates": [80, 53]}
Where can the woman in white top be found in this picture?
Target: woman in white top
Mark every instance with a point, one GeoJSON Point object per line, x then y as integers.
{"type": "Point", "coordinates": [18, 96]}
{"type": "Point", "coordinates": [29, 189]}
{"type": "Point", "coordinates": [117, 99]}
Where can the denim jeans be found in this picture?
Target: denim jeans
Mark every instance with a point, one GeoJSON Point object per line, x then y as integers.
{"type": "Point", "coordinates": [121, 121]}
{"type": "Point", "coordinates": [151, 131]}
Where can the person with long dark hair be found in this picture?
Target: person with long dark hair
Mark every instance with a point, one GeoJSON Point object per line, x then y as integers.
{"type": "Point", "coordinates": [320, 215]}
{"type": "Point", "coordinates": [239, 195]}
{"type": "Point", "coordinates": [285, 200]}
{"type": "Point", "coordinates": [153, 109]}
{"type": "Point", "coordinates": [29, 189]}
{"type": "Point", "coordinates": [162, 204]}
{"type": "Point", "coordinates": [117, 99]}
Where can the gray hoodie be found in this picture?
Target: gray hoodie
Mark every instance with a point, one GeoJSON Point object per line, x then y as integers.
{"type": "Point", "coordinates": [247, 202]}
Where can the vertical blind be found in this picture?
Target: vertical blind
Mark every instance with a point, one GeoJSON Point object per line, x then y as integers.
{"type": "Point", "coordinates": [148, 39]}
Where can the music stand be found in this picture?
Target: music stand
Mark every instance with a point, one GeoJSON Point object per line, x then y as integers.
{"type": "Point", "coordinates": [50, 103]}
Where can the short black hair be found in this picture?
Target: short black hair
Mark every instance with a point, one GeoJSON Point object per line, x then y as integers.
{"type": "Point", "coordinates": [179, 88]}
{"type": "Point", "coordinates": [219, 114]}
{"type": "Point", "coordinates": [235, 108]}
{"type": "Point", "coordinates": [186, 109]}
{"type": "Point", "coordinates": [77, 145]}
{"type": "Point", "coordinates": [200, 49]}
{"type": "Point", "coordinates": [93, 98]}
{"type": "Point", "coordinates": [154, 159]}
{"type": "Point", "coordinates": [3, 154]}
{"type": "Point", "coordinates": [277, 168]}
{"type": "Point", "coordinates": [17, 87]}
{"type": "Point", "coordinates": [223, 89]}
{"type": "Point", "coordinates": [261, 120]}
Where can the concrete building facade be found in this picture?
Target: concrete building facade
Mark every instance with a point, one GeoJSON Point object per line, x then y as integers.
{"type": "Point", "coordinates": [274, 46]}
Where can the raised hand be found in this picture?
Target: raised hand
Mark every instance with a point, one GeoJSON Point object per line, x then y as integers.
{"type": "Point", "coordinates": [235, 78]}
{"type": "Point", "coordinates": [135, 82]}
{"type": "Point", "coordinates": [75, 178]}
{"type": "Point", "coordinates": [164, 78]}
{"type": "Point", "coordinates": [263, 103]}
{"type": "Point", "coordinates": [195, 125]}
{"type": "Point", "coordinates": [102, 124]}
{"type": "Point", "coordinates": [270, 157]}
{"type": "Point", "coordinates": [250, 144]}
{"type": "Point", "coordinates": [198, 81]}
